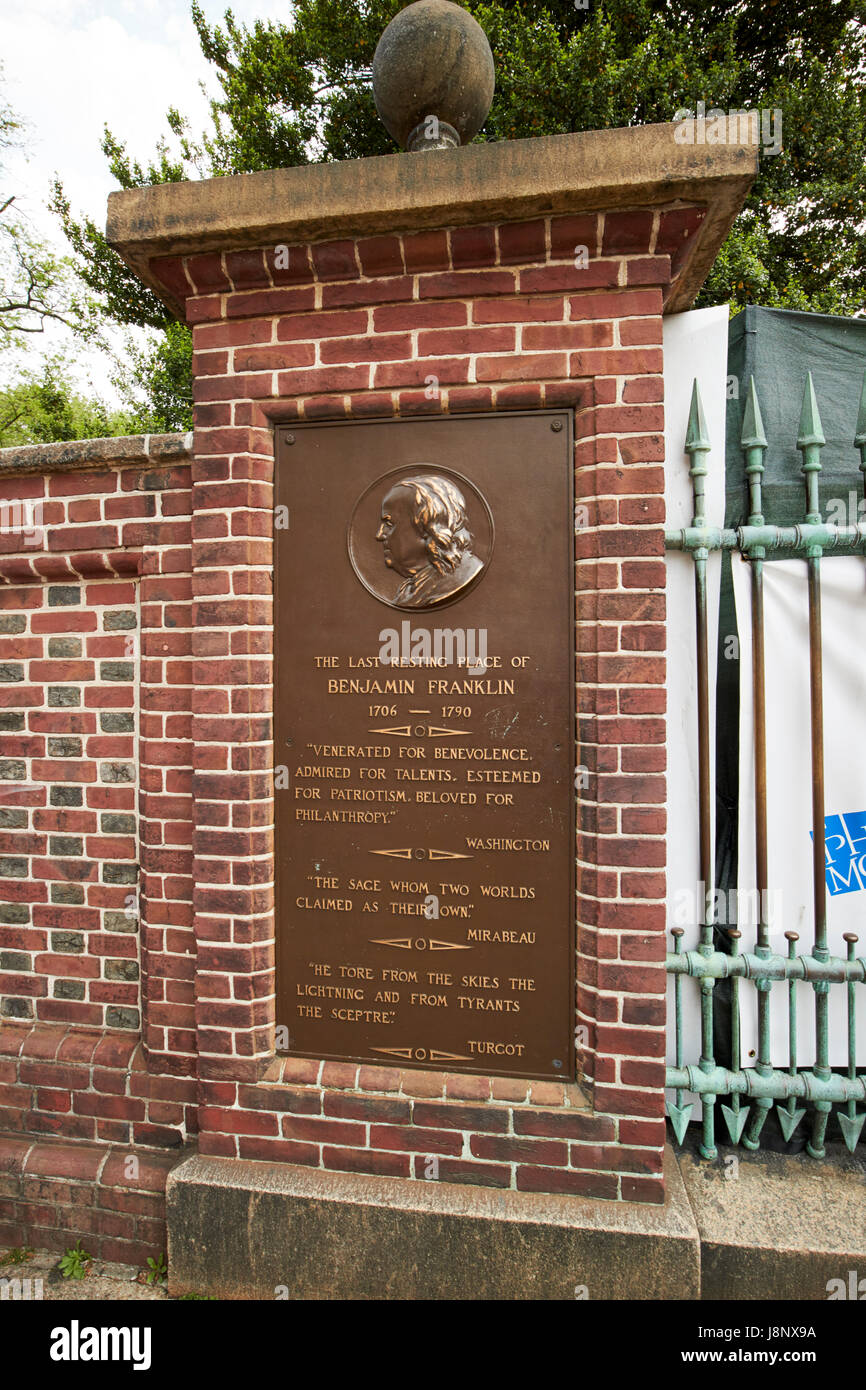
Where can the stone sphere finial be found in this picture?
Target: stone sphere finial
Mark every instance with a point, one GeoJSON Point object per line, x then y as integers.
{"type": "Point", "coordinates": [433, 76]}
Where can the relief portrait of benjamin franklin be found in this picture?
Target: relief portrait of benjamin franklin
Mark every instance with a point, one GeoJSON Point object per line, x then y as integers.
{"type": "Point", "coordinates": [425, 537]}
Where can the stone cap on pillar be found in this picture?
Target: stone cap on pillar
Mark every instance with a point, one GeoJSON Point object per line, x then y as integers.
{"type": "Point", "coordinates": [507, 180]}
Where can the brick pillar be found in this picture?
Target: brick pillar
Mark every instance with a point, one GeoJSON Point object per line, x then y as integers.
{"type": "Point", "coordinates": [335, 315]}
{"type": "Point", "coordinates": [546, 312]}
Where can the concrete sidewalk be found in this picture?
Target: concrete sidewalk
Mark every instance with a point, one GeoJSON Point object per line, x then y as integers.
{"type": "Point", "coordinates": [41, 1280]}
{"type": "Point", "coordinates": [776, 1226]}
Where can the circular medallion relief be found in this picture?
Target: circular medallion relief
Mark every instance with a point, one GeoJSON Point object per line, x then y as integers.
{"type": "Point", "coordinates": [420, 537]}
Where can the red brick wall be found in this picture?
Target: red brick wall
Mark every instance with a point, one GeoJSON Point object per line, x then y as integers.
{"type": "Point", "coordinates": [69, 939]}
{"type": "Point", "coordinates": [467, 319]}
{"type": "Point", "coordinates": [96, 940]}
{"type": "Point", "coordinates": [95, 800]}
{"type": "Point", "coordinates": [76, 1083]}
{"type": "Point", "coordinates": [53, 1194]}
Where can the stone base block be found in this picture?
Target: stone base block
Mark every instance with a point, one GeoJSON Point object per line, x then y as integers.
{"type": "Point", "coordinates": [244, 1229]}
{"type": "Point", "coordinates": [778, 1226]}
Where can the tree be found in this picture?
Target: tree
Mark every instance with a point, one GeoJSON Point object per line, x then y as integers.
{"type": "Point", "coordinates": [35, 284]}
{"type": "Point", "coordinates": [42, 407]}
{"type": "Point", "coordinates": [155, 382]}
{"type": "Point", "coordinates": [38, 287]}
{"type": "Point", "coordinates": [299, 93]}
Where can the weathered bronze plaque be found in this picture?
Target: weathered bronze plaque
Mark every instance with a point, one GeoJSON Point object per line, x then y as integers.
{"type": "Point", "coordinates": [425, 743]}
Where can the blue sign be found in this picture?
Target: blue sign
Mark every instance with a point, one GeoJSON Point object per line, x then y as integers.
{"type": "Point", "coordinates": [845, 843]}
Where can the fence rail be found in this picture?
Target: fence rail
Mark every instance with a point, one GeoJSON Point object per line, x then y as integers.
{"type": "Point", "coordinates": [764, 1085]}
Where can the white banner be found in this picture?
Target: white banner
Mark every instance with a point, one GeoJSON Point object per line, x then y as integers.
{"type": "Point", "coordinates": [789, 787]}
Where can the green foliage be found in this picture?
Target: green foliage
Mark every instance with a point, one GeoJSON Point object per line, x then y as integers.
{"type": "Point", "coordinates": [155, 382]}
{"type": "Point", "coordinates": [75, 1264]}
{"type": "Point", "coordinates": [43, 407]}
{"type": "Point", "coordinates": [18, 1254]}
{"type": "Point", "coordinates": [163, 380]}
{"type": "Point", "coordinates": [301, 92]}
{"type": "Point", "coordinates": [157, 1270]}
{"type": "Point", "coordinates": [121, 296]}
{"type": "Point", "coordinates": [35, 285]}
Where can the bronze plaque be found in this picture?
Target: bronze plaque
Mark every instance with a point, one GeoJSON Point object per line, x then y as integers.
{"type": "Point", "coordinates": [424, 743]}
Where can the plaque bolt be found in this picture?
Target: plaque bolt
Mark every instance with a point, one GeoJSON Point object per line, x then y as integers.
{"type": "Point", "coordinates": [290, 439]}
{"type": "Point", "coordinates": [556, 426]}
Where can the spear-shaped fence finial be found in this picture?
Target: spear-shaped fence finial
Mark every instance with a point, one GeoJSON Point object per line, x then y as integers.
{"type": "Point", "coordinates": [753, 443]}
{"type": "Point", "coordinates": [697, 444]}
{"type": "Point", "coordinates": [810, 441]}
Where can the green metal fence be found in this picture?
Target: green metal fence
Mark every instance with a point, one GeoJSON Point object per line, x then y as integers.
{"type": "Point", "coordinates": [752, 1092]}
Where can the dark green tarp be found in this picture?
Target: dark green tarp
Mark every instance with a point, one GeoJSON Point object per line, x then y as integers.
{"type": "Point", "coordinates": [778, 347]}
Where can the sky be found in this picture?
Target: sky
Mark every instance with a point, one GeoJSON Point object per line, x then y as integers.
{"type": "Point", "coordinates": [72, 66]}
